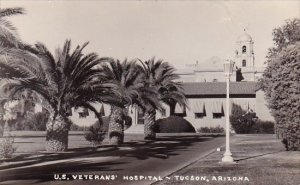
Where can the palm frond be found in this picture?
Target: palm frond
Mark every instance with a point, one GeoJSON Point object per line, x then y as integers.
{"type": "Point", "coordinates": [11, 11]}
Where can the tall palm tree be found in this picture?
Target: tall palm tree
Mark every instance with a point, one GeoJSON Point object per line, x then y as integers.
{"type": "Point", "coordinates": [159, 76]}
{"type": "Point", "coordinates": [8, 33]}
{"type": "Point", "coordinates": [126, 76]}
{"type": "Point", "coordinates": [66, 80]}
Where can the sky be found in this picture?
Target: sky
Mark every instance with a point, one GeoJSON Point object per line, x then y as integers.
{"type": "Point", "coordinates": [180, 32]}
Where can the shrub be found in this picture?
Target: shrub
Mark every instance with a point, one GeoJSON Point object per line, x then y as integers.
{"type": "Point", "coordinates": [217, 129]}
{"type": "Point", "coordinates": [2, 123]}
{"type": "Point", "coordinates": [97, 132]}
{"type": "Point", "coordinates": [95, 136]}
{"type": "Point", "coordinates": [243, 122]}
{"type": "Point", "coordinates": [33, 122]}
{"type": "Point", "coordinates": [281, 81]}
{"type": "Point", "coordinates": [266, 127]}
{"type": "Point", "coordinates": [173, 124]}
{"type": "Point", "coordinates": [6, 147]}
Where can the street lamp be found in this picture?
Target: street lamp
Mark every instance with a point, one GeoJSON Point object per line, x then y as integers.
{"type": "Point", "coordinates": [228, 68]}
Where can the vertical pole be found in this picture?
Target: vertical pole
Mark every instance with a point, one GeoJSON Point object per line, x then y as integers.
{"type": "Point", "coordinates": [227, 155]}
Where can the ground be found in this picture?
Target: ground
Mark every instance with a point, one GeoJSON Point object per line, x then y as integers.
{"type": "Point", "coordinates": [261, 160]}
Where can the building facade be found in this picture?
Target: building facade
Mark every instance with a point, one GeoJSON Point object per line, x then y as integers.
{"type": "Point", "coordinates": [205, 88]}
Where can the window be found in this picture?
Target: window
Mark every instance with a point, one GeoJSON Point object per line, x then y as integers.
{"type": "Point", "coordinates": [244, 49]}
{"type": "Point", "coordinates": [81, 115]}
{"type": "Point", "coordinates": [244, 63]}
{"type": "Point", "coordinates": [199, 115]}
{"type": "Point", "coordinates": [218, 115]}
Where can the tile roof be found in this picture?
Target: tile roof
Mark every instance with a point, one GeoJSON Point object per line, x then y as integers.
{"type": "Point", "coordinates": [219, 88]}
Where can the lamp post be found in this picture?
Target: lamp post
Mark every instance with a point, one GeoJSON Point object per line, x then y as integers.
{"type": "Point", "coordinates": [228, 68]}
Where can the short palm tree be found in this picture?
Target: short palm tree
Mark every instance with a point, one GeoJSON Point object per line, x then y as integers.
{"type": "Point", "coordinates": [126, 76]}
{"type": "Point", "coordinates": [66, 80]}
{"type": "Point", "coordinates": [159, 76]}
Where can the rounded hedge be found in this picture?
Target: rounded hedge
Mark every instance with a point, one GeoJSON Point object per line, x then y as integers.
{"type": "Point", "coordinates": [174, 124]}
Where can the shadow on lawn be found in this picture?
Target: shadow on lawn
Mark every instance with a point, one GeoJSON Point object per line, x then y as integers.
{"type": "Point", "coordinates": [85, 159]}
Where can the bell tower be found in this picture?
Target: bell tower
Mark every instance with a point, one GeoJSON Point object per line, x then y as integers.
{"type": "Point", "coordinates": [244, 54]}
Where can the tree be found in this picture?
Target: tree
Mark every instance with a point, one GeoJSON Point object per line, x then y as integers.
{"type": "Point", "coordinates": [126, 76]}
{"type": "Point", "coordinates": [283, 36]}
{"type": "Point", "coordinates": [66, 80]}
{"type": "Point", "coordinates": [242, 122]}
{"type": "Point", "coordinates": [281, 81]}
{"type": "Point", "coordinates": [9, 37]}
{"type": "Point", "coordinates": [8, 33]}
{"type": "Point", "coordinates": [159, 76]}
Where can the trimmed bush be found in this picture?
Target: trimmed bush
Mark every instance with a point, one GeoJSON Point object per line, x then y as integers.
{"type": "Point", "coordinates": [217, 129]}
{"type": "Point", "coordinates": [6, 147]}
{"type": "Point", "coordinates": [173, 124]}
{"type": "Point", "coordinates": [266, 127]}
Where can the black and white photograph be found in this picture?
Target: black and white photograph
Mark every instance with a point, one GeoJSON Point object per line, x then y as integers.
{"type": "Point", "coordinates": [157, 92]}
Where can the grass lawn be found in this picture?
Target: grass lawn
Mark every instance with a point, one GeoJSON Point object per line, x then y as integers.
{"type": "Point", "coordinates": [34, 141]}
{"type": "Point", "coordinates": [261, 160]}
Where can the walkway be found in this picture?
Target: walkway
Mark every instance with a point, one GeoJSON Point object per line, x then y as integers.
{"type": "Point", "coordinates": [135, 158]}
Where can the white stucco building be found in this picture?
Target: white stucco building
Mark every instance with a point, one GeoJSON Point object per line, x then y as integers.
{"type": "Point", "coordinates": [205, 88]}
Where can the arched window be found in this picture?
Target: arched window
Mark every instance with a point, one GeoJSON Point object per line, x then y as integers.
{"type": "Point", "coordinates": [244, 63]}
{"type": "Point", "coordinates": [244, 49]}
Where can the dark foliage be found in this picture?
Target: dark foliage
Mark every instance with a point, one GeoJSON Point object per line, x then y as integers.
{"type": "Point", "coordinates": [265, 127]}
{"type": "Point", "coordinates": [242, 122]}
{"type": "Point", "coordinates": [281, 82]}
{"type": "Point", "coordinates": [97, 132]}
{"type": "Point", "coordinates": [217, 129]}
{"type": "Point", "coordinates": [32, 121]}
{"type": "Point", "coordinates": [104, 126]}
{"type": "Point", "coordinates": [173, 124]}
{"type": "Point", "coordinates": [94, 135]}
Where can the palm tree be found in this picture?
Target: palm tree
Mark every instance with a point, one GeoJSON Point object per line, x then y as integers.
{"type": "Point", "coordinates": [126, 76]}
{"type": "Point", "coordinates": [8, 33]}
{"type": "Point", "coordinates": [66, 80]}
{"type": "Point", "coordinates": [159, 76]}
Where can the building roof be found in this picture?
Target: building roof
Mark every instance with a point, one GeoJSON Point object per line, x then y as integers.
{"type": "Point", "coordinates": [244, 37]}
{"type": "Point", "coordinates": [219, 88]}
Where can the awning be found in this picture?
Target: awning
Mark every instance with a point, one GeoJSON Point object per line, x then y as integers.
{"type": "Point", "coordinates": [197, 106]}
{"type": "Point", "coordinates": [178, 109]}
{"type": "Point", "coordinates": [217, 107]}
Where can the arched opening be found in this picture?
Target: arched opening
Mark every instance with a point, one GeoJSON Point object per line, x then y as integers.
{"type": "Point", "coordinates": [244, 64]}
{"type": "Point", "coordinates": [244, 49]}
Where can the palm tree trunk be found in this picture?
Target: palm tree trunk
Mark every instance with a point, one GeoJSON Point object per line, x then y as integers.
{"type": "Point", "coordinates": [57, 134]}
{"type": "Point", "coordinates": [116, 127]}
{"type": "Point", "coordinates": [149, 127]}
